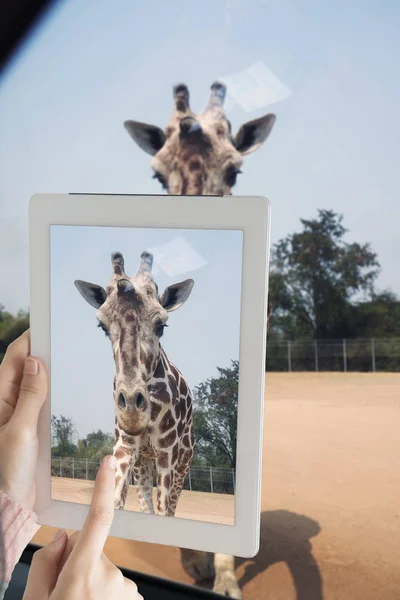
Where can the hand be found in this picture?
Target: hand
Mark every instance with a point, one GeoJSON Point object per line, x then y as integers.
{"type": "Point", "coordinates": [23, 388]}
{"type": "Point", "coordinates": [77, 569]}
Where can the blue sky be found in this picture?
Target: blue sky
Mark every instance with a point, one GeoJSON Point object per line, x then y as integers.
{"type": "Point", "coordinates": [202, 334]}
{"type": "Point", "coordinates": [94, 64]}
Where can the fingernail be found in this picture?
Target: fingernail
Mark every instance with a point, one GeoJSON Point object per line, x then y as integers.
{"type": "Point", "coordinates": [31, 366]}
{"type": "Point", "coordinates": [58, 535]}
{"type": "Point", "coordinates": [112, 462]}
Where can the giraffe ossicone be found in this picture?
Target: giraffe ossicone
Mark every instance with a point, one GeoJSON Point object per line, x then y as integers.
{"type": "Point", "coordinates": [152, 400]}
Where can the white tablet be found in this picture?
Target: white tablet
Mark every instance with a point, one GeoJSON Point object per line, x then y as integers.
{"type": "Point", "coordinates": [150, 315]}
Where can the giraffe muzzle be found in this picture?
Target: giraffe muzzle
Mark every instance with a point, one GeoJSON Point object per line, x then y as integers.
{"type": "Point", "coordinates": [135, 402]}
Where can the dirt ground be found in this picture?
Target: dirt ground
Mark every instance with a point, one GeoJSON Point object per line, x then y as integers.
{"type": "Point", "coordinates": [201, 506]}
{"type": "Point", "coordinates": [331, 494]}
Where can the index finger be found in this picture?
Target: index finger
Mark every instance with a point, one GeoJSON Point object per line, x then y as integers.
{"type": "Point", "coordinates": [96, 528]}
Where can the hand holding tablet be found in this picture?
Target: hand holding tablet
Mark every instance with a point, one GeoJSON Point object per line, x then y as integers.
{"type": "Point", "coordinates": [207, 257]}
{"type": "Point", "coordinates": [61, 569]}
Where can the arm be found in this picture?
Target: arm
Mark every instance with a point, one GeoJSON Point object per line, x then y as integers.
{"type": "Point", "coordinates": [18, 526]}
{"type": "Point", "coordinates": [23, 387]}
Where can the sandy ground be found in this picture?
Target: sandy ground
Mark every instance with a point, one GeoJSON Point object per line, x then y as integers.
{"type": "Point", "coordinates": [331, 494]}
{"type": "Point", "coordinates": [201, 506]}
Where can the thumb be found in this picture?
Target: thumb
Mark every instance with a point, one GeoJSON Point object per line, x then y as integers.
{"type": "Point", "coordinates": [45, 567]}
{"type": "Point", "coordinates": [32, 393]}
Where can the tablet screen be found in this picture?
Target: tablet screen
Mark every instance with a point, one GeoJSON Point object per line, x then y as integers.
{"type": "Point", "coordinates": [145, 334]}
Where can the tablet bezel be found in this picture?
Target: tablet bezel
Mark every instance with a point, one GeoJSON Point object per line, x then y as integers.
{"type": "Point", "coordinates": [248, 214]}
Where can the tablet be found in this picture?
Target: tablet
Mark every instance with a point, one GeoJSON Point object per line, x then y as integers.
{"type": "Point", "coordinates": [150, 315]}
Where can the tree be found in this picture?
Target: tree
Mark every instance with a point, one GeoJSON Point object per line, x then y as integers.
{"type": "Point", "coordinates": [378, 317]}
{"type": "Point", "coordinates": [315, 275]}
{"type": "Point", "coordinates": [215, 418]}
{"type": "Point", "coordinates": [63, 431]}
{"type": "Point", "coordinates": [10, 328]}
{"type": "Point", "coordinates": [96, 445]}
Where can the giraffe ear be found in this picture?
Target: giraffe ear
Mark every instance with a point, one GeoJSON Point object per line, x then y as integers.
{"type": "Point", "coordinates": [148, 137]}
{"type": "Point", "coordinates": [253, 134]}
{"type": "Point", "coordinates": [94, 294]}
{"type": "Point", "coordinates": [175, 295]}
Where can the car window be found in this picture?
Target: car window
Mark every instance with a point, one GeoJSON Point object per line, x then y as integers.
{"type": "Point", "coordinates": [328, 164]}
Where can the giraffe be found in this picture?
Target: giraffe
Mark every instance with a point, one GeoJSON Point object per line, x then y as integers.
{"type": "Point", "coordinates": [199, 155]}
{"type": "Point", "coordinates": [153, 403]}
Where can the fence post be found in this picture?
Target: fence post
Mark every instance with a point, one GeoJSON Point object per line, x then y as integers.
{"type": "Point", "coordinates": [289, 357]}
{"type": "Point", "coordinates": [60, 467]}
{"type": "Point", "coordinates": [190, 481]}
{"type": "Point", "coordinates": [86, 469]}
{"type": "Point", "coordinates": [373, 355]}
{"type": "Point", "coordinates": [211, 480]}
{"type": "Point", "coordinates": [316, 355]}
{"type": "Point", "coordinates": [344, 356]}
{"type": "Point", "coordinates": [73, 468]}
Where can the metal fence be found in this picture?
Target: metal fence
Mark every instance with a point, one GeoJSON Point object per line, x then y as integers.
{"type": "Point", "coordinates": [218, 480]}
{"type": "Point", "coordinates": [360, 354]}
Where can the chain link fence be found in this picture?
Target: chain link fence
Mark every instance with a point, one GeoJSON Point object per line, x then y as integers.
{"type": "Point", "coordinates": [217, 480]}
{"type": "Point", "coordinates": [365, 355]}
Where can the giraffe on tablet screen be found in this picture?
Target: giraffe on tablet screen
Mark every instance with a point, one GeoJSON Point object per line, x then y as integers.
{"type": "Point", "coordinates": [153, 403]}
{"type": "Point", "coordinates": [199, 155]}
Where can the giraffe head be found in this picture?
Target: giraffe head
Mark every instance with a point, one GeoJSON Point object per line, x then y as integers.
{"type": "Point", "coordinates": [198, 154]}
{"type": "Point", "coordinates": [133, 316]}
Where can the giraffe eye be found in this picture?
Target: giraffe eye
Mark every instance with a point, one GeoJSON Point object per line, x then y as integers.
{"type": "Point", "coordinates": [231, 174]}
{"type": "Point", "coordinates": [157, 175]}
{"type": "Point", "coordinates": [160, 326]}
{"type": "Point", "coordinates": [104, 328]}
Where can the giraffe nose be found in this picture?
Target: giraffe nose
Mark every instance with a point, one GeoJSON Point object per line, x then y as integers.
{"type": "Point", "coordinates": [121, 401]}
{"type": "Point", "coordinates": [139, 400]}
{"type": "Point", "coordinates": [135, 402]}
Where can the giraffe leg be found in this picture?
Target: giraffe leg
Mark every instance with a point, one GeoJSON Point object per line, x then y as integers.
{"type": "Point", "coordinates": [143, 474]}
{"type": "Point", "coordinates": [124, 456]}
{"type": "Point", "coordinates": [180, 471]}
{"type": "Point", "coordinates": [176, 490]}
{"type": "Point", "coordinates": [225, 579]}
{"type": "Point", "coordinates": [164, 484]}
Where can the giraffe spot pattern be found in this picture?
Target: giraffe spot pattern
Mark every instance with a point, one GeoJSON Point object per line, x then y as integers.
{"type": "Point", "coordinates": [159, 373]}
{"type": "Point", "coordinates": [159, 391]}
{"type": "Point", "coordinates": [166, 422]}
{"type": "Point", "coordinates": [182, 404]}
{"type": "Point", "coordinates": [128, 439]}
{"type": "Point", "coordinates": [177, 408]}
{"type": "Point", "coordinates": [183, 387]}
{"type": "Point", "coordinates": [162, 459]}
{"type": "Point", "coordinates": [121, 453]}
{"type": "Point", "coordinates": [155, 411]}
{"type": "Point", "coordinates": [179, 428]}
{"type": "Point", "coordinates": [168, 440]}
{"type": "Point", "coordinates": [175, 451]}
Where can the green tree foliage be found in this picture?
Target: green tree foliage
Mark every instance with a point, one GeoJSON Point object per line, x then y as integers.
{"type": "Point", "coordinates": [315, 276]}
{"type": "Point", "coordinates": [215, 419]}
{"type": "Point", "coordinates": [379, 317]}
{"type": "Point", "coordinates": [63, 433]}
{"type": "Point", "coordinates": [10, 328]}
{"type": "Point", "coordinates": [96, 445]}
